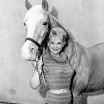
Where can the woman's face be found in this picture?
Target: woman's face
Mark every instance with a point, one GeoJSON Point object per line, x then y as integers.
{"type": "Point", "coordinates": [55, 45]}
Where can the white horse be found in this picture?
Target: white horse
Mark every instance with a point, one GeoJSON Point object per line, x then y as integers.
{"type": "Point", "coordinates": [88, 63]}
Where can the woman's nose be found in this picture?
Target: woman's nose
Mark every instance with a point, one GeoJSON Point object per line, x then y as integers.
{"type": "Point", "coordinates": [55, 46]}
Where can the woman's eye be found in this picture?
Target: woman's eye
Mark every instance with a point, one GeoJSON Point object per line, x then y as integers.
{"type": "Point", "coordinates": [52, 42]}
{"type": "Point", "coordinates": [59, 43]}
{"type": "Point", "coordinates": [45, 23]}
{"type": "Point", "coordinates": [24, 24]}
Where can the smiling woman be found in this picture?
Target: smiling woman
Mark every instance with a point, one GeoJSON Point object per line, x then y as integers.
{"type": "Point", "coordinates": [56, 68]}
{"type": "Point", "coordinates": [56, 40]}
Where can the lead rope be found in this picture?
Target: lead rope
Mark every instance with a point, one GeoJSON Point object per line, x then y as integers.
{"type": "Point", "coordinates": [38, 65]}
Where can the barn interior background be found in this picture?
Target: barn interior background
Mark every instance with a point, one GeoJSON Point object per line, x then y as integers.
{"type": "Point", "coordinates": [83, 18]}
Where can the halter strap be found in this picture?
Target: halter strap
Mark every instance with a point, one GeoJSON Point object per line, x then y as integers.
{"type": "Point", "coordinates": [33, 42]}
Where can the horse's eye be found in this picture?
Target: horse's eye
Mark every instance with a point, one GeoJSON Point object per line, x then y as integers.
{"type": "Point", "coordinates": [45, 23]}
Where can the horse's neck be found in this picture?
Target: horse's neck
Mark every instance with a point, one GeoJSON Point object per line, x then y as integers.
{"type": "Point", "coordinates": [53, 21]}
{"type": "Point", "coordinates": [76, 57]}
{"type": "Point", "coordinates": [70, 50]}
{"type": "Point", "coordinates": [57, 23]}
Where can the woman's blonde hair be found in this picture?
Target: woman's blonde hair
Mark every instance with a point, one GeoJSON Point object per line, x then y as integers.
{"type": "Point", "coordinates": [58, 31]}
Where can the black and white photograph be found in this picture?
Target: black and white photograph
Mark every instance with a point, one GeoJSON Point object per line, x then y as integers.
{"type": "Point", "coordinates": [51, 51]}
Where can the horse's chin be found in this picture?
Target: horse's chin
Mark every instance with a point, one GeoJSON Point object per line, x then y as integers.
{"type": "Point", "coordinates": [30, 58]}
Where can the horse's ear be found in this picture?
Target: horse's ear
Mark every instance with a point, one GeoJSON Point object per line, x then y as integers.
{"type": "Point", "coordinates": [27, 5]}
{"type": "Point", "coordinates": [45, 5]}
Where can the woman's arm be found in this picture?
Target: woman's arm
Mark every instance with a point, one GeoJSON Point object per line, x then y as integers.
{"type": "Point", "coordinates": [35, 80]}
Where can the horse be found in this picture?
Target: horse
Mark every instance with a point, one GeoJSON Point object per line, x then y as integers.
{"type": "Point", "coordinates": [88, 63]}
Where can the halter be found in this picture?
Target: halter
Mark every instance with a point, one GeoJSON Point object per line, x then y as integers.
{"type": "Point", "coordinates": [40, 47]}
{"type": "Point", "coordinates": [32, 40]}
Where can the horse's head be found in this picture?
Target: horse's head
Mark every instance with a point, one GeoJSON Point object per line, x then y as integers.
{"type": "Point", "coordinates": [38, 22]}
{"type": "Point", "coordinates": [37, 26]}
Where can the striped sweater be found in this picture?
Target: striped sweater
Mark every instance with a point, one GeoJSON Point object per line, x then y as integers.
{"type": "Point", "coordinates": [57, 71]}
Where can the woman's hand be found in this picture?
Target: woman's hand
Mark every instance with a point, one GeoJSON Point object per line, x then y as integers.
{"type": "Point", "coordinates": [38, 65]}
{"type": "Point", "coordinates": [35, 80]}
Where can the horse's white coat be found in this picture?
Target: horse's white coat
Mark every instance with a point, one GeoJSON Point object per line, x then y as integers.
{"type": "Point", "coordinates": [31, 19]}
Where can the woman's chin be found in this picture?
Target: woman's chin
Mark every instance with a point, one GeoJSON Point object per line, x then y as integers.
{"type": "Point", "coordinates": [55, 54]}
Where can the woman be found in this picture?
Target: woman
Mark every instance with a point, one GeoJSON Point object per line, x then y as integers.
{"type": "Point", "coordinates": [56, 68]}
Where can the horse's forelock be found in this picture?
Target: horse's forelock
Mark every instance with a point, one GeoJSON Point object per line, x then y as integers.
{"type": "Point", "coordinates": [33, 11]}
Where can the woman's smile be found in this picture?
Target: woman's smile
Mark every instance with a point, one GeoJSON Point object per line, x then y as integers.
{"type": "Point", "coordinates": [55, 45]}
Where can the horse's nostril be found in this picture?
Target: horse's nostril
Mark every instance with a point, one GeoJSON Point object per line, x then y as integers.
{"type": "Point", "coordinates": [32, 50]}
